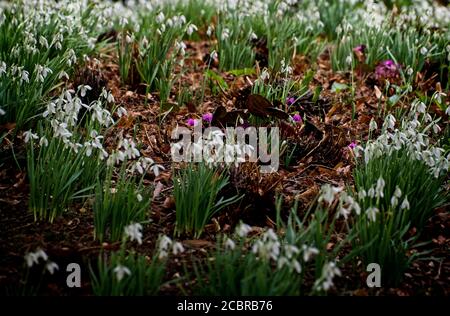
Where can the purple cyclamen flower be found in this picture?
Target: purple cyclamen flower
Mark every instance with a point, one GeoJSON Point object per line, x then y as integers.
{"type": "Point", "coordinates": [297, 118]}
{"type": "Point", "coordinates": [387, 69]}
{"type": "Point", "coordinates": [352, 145]}
{"type": "Point", "coordinates": [207, 117]}
{"type": "Point", "coordinates": [290, 101]}
{"type": "Point", "coordinates": [360, 49]}
{"type": "Point", "coordinates": [191, 122]}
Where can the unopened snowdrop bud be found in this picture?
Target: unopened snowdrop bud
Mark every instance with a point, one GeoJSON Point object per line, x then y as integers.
{"type": "Point", "coordinates": [424, 50]}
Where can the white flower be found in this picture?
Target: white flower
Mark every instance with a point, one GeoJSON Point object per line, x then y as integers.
{"type": "Point", "coordinates": [155, 169]}
{"type": "Point", "coordinates": [379, 188]}
{"type": "Point", "coordinates": [423, 50]}
{"type": "Point", "coordinates": [373, 125]}
{"type": "Point", "coordinates": [164, 243]}
{"type": "Point", "coordinates": [397, 192]}
{"type": "Point", "coordinates": [51, 267]}
{"type": "Point", "coordinates": [225, 34]}
{"type": "Point", "coordinates": [421, 107]}
{"type": "Point", "coordinates": [191, 29]}
{"type": "Point", "coordinates": [177, 248]}
{"type": "Point", "coordinates": [297, 266]}
{"type": "Point", "coordinates": [405, 204]}
{"type": "Point", "coordinates": [83, 89]}
{"type": "Point", "coordinates": [229, 244]}
{"type": "Point", "coordinates": [43, 142]}
{"type": "Point", "coordinates": [329, 271]}
{"type": "Point", "coordinates": [134, 231]}
{"type": "Point", "coordinates": [209, 30]}
{"type": "Point", "coordinates": [436, 128]}
{"type": "Point", "coordinates": [2, 112]}
{"type": "Point", "coordinates": [447, 111]}
{"type": "Point", "coordinates": [253, 36]}
{"type": "Point", "coordinates": [29, 135]}
{"type": "Point", "coordinates": [242, 230]}
{"type": "Point", "coordinates": [63, 74]}
{"type": "Point", "coordinates": [328, 192]}
{"type": "Point", "coordinates": [390, 121]}
{"type": "Point", "coordinates": [371, 213]}
{"type": "Point", "coordinates": [308, 252]}
{"type": "Point", "coordinates": [33, 257]}
{"type": "Point", "coordinates": [121, 271]}
{"type": "Point", "coordinates": [121, 111]}
{"type": "Point", "coordinates": [349, 60]}
{"type": "Point", "coordinates": [213, 55]}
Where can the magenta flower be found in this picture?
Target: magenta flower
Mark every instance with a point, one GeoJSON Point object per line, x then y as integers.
{"type": "Point", "coordinates": [361, 49]}
{"type": "Point", "coordinates": [207, 117]}
{"type": "Point", "coordinates": [191, 122]}
{"type": "Point", "coordinates": [297, 118]}
{"type": "Point", "coordinates": [387, 69]}
{"type": "Point", "coordinates": [290, 101]}
{"type": "Point", "coordinates": [352, 145]}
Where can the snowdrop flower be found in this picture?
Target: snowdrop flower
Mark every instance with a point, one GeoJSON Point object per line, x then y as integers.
{"type": "Point", "coordinates": [134, 232]}
{"type": "Point", "coordinates": [209, 31]}
{"type": "Point", "coordinates": [24, 76]}
{"type": "Point", "coordinates": [229, 244]}
{"type": "Point", "coordinates": [29, 135]}
{"type": "Point", "coordinates": [177, 248]}
{"type": "Point", "coordinates": [181, 47]}
{"type": "Point", "coordinates": [2, 68]}
{"type": "Point", "coordinates": [191, 29]}
{"type": "Point", "coordinates": [121, 271]}
{"type": "Point", "coordinates": [436, 128]}
{"type": "Point", "coordinates": [51, 109]}
{"type": "Point", "coordinates": [349, 60]}
{"type": "Point", "coordinates": [421, 107]}
{"type": "Point", "coordinates": [329, 271]}
{"type": "Point", "coordinates": [309, 252]}
{"type": "Point", "coordinates": [328, 192]}
{"type": "Point", "coordinates": [2, 112]}
{"type": "Point", "coordinates": [379, 188]}
{"type": "Point", "coordinates": [83, 89]}
{"type": "Point", "coordinates": [405, 204]}
{"type": "Point", "coordinates": [139, 197]}
{"type": "Point", "coordinates": [242, 230]}
{"type": "Point", "coordinates": [371, 213]}
{"type": "Point", "coordinates": [390, 121]}
{"type": "Point", "coordinates": [297, 266]}
{"type": "Point", "coordinates": [155, 169]}
{"type": "Point", "coordinates": [33, 257]}
{"type": "Point", "coordinates": [225, 34]}
{"type": "Point", "coordinates": [160, 18]}
{"type": "Point", "coordinates": [373, 125]}
{"type": "Point", "coordinates": [121, 111]}
{"type": "Point", "coordinates": [43, 142]}
{"type": "Point", "coordinates": [51, 267]}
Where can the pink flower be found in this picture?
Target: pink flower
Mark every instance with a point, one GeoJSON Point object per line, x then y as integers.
{"type": "Point", "coordinates": [297, 118]}
{"type": "Point", "coordinates": [290, 101]}
{"type": "Point", "coordinates": [191, 122]}
{"type": "Point", "coordinates": [360, 49]}
{"type": "Point", "coordinates": [207, 117]}
{"type": "Point", "coordinates": [352, 145]}
{"type": "Point", "coordinates": [387, 69]}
